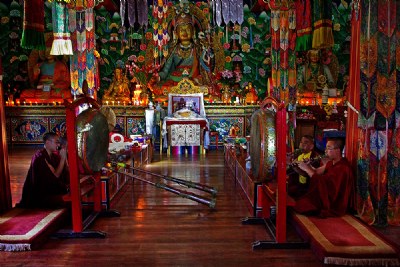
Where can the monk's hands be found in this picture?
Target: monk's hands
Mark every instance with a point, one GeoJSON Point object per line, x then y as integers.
{"type": "Point", "coordinates": [306, 166]}
{"type": "Point", "coordinates": [50, 166]}
{"type": "Point", "coordinates": [63, 153]}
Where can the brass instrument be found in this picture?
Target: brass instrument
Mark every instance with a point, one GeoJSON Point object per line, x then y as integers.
{"type": "Point", "coordinates": [309, 161]}
{"type": "Point", "coordinates": [293, 166]}
{"type": "Point", "coordinates": [189, 195]}
{"type": "Point", "coordinates": [211, 190]}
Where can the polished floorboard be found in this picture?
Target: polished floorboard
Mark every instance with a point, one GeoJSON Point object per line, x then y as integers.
{"type": "Point", "coordinates": [158, 228]}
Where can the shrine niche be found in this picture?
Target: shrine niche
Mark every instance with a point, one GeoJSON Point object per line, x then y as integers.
{"type": "Point", "coordinates": [320, 68]}
{"type": "Point", "coordinates": [119, 89]}
{"type": "Point", "coordinates": [186, 125]}
{"type": "Point", "coordinates": [49, 76]}
{"type": "Point", "coordinates": [179, 104]}
{"type": "Point", "coordinates": [188, 50]}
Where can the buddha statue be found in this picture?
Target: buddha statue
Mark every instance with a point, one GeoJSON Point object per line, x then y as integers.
{"type": "Point", "coordinates": [52, 72]}
{"type": "Point", "coordinates": [187, 58]}
{"type": "Point", "coordinates": [251, 95]}
{"type": "Point", "coordinates": [119, 88]}
{"type": "Point", "coordinates": [48, 73]}
{"type": "Point", "coordinates": [314, 74]}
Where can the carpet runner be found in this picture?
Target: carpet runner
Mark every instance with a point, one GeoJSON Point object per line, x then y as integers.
{"type": "Point", "coordinates": [21, 229]}
{"type": "Point", "coordinates": [346, 241]}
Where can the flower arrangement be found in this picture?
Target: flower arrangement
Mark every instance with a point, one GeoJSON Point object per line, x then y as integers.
{"type": "Point", "coordinates": [229, 77]}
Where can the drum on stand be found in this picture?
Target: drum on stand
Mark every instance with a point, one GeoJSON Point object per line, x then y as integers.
{"type": "Point", "coordinates": [263, 144]}
{"type": "Point", "coordinates": [92, 140]}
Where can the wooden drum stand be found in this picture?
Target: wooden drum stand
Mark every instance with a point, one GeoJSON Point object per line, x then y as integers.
{"type": "Point", "coordinates": [81, 185]}
{"type": "Point", "coordinates": [275, 194]}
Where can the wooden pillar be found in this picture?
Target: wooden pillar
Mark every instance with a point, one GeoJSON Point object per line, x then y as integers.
{"type": "Point", "coordinates": [281, 212]}
{"type": "Point", "coordinates": [353, 89]}
{"type": "Point", "coordinates": [5, 190]}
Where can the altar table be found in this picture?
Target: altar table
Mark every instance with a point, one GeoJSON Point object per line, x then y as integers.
{"type": "Point", "coordinates": [182, 134]}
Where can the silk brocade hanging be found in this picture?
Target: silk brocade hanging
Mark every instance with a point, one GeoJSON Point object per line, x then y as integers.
{"type": "Point", "coordinates": [378, 176]}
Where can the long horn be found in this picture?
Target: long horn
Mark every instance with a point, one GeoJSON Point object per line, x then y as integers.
{"type": "Point", "coordinates": [208, 202]}
{"type": "Point", "coordinates": [211, 190]}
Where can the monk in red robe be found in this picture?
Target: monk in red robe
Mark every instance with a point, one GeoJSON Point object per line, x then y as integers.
{"type": "Point", "coordinates": [47, 178]}
{"type": "Point", "coordinates": [331, 185]}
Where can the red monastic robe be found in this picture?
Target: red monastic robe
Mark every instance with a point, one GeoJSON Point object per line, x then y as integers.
{"type": "Point", "coordinates": [330, 194]}
{"type": "Point", "coordinates": [42, 189]}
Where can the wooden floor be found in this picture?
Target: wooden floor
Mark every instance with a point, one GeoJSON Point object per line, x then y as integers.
{"type": "Point", "coordinates": [158, 228]}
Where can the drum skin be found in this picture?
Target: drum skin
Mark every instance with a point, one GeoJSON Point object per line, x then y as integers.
{"type": "Point", "coordinates": [92, 140]}
{"type": "Point", "coordinates": [110, 116]}
{"type": "Point", "coordinates": [262, 144]}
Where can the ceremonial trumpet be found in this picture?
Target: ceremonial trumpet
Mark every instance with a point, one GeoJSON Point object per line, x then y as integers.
{"type": "Point", "coordinates": [189, 195]}
{"type": "Point", "coordinates": [309, 160]}
{"type": "Point", "coordinates": [211, 190]}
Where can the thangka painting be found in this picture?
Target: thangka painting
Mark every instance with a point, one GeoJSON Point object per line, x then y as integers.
{"type": "Point", "coordinates": [222, 125]}
{"type": "Point", "coordinates": [378, 172]}
{"type": "Point", "coordinates": [58, 125]}
{"type": "Point", "coordinates": [120, 125]}
{"type": "Point", "coordinates": [29, 131]}
{"type": "Point", "coordinates": [136, 126]}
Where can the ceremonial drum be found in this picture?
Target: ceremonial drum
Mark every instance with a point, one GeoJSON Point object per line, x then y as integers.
{"type": "Point", "coordinates": [262, 144]}
{"type": "Point", "coordinates": [92, 140]}
{"type": "Point", "coordinates": [110, 116]}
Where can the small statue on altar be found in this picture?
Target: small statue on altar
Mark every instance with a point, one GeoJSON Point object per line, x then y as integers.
{"type": "Point", "coordinates": [181, 104]}
{"type": "Point", "coordinates": [251, 95]}
{"type": "Point", "coordinates": [234, 130]}
{"type": "Point", "coordinates": [226, 95]}
{"type": "Point", "coordinates": [119, 87]}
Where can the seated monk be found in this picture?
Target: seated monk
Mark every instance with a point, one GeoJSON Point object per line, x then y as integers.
{"type": "Point", "coordinates": [48, 177]}
{"type": "Point", "coordinates": [331, 185]}
{"type": "Point", "coordinates": [119, 87]}
{"type": "Point", "coordinates": [298, 180]}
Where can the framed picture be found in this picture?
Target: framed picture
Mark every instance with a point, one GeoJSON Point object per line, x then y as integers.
{"type": "Point", "coordinates": [46, 88]}
{"type": "Point", "coordinates": [192, 101]}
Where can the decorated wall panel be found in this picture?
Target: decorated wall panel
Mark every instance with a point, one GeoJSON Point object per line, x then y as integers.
{"type": "Point", "coordinates": [27, 124]}
{"type": "Point", "coordinates": [135, 126]}
{"type": "Point", "coordinates": [29, 130]}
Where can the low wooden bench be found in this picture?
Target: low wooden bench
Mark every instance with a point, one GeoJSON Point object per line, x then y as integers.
{"type": "Point", "coordinates": [269, 191]}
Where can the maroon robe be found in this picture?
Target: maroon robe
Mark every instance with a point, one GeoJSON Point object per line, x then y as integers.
{"type": "Point", "coordinates": [329, 194]}
{"type": "Point", "coordinates": [295, 188]}
{"type": "Point", "coordinates": [42, 189]}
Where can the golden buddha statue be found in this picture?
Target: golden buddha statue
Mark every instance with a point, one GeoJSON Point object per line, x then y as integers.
{"type": "Point", "coordinates": [183, 60]}
{"type": "Point", "coordinates": [119, 88]}
{"type": "Point", "coordinates": [251, 95]}
{"type": "Point", "coordinates": [226, 95]}
{"type": "Point", "coordinates": [193, 54]}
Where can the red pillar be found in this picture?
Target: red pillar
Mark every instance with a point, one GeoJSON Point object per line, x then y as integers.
{"type": "Point", "coordinates": [5, 190]}
{"type": "Point", "coordinates": [281, 205]}
{"type": "Point", "coordinates": [353, 90]}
